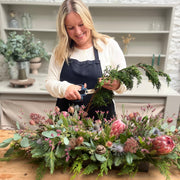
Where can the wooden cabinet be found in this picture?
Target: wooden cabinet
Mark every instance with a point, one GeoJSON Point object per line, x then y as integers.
{"type": "Point", "coordinates": [149, 25]}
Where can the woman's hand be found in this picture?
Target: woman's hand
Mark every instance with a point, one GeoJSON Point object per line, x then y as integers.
{"type": "Point", "coordinates": [72, 92]}
{"type": "Point", "coordinates": [111, 84]}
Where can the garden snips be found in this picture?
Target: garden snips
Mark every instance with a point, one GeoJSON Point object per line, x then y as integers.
{"type": "Point", "coordinates": [84, 91]}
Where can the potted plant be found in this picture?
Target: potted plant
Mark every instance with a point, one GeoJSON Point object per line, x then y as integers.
{"type": "Point", "coordinates": [16, 51]}
{"type": "Point", "coordinates": [19, 49]}
{"type": "Point", "coordinates": [38, 53]}
{"type": "Point", "coordinates": [16, 48]}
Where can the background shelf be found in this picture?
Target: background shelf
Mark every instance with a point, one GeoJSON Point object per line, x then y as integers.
{"type": "Point", "coordinates": [150, 25]}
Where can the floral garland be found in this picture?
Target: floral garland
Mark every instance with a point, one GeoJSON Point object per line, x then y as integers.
{"type": "Point", "coordinates": [72, 141]}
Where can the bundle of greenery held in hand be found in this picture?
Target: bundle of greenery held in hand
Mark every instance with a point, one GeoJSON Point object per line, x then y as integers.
{"type": "Point", "coordinates": [126, 76]}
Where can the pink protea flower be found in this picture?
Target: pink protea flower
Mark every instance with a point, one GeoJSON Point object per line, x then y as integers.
{"type": "Point", "coordinates": [163, 144]}
{"type": "Point", "coordinates": [117, 128]}
{"type": "Point", "coordinates": [131, 145]}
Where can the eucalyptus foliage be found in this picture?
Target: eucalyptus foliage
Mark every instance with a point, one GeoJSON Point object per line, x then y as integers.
{"type": "Point", "coordinates": [22, 47]}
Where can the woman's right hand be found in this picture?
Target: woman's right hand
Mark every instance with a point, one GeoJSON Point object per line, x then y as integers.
{"type": "Point", "coordinates": [72, 92]}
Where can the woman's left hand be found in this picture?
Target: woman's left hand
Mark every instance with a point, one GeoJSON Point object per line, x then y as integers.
{"type": "Point", "coordinates": [111, 84]}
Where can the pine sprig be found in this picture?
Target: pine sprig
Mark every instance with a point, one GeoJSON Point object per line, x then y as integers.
{"type": "Point", "coordinates": [126, 76]}
{"type": "Point", "coordinates": [90, 168]}
{"type": "Point", "coordinates": [163, 166]}
{"type": "Point", "coordinates": [153, 75]}
{"type": "Point", "coordinates": [41, 170]}
{"type": "Point", "coordinates": [76, 167]}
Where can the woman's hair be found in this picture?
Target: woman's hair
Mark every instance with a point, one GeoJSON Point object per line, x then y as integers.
{"type": "Point", "coordinates": [65, 45]}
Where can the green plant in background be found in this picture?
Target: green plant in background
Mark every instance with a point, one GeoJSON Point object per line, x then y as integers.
{"type": "Point", "coordinates": [21, 47]}
{"type": "Point", "coordinates": [38, 50]}
{"type": "Point", "coordinates": [16, 47]}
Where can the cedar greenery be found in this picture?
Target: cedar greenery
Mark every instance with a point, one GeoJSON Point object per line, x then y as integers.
{"type": "Point", "coordinates": [126, 76]}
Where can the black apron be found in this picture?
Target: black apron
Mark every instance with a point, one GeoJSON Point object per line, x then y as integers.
{"type": "Point", "coordinates": [87, 72]}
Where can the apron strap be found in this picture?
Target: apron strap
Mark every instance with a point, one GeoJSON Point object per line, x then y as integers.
{"type": "Point", "coordinates": [96, 54]}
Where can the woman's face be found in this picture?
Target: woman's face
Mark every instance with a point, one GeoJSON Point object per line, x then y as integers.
{"type": "Point", "coordinates": [77, 31]}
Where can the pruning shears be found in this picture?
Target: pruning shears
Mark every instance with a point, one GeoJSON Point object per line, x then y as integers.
{"type": "Point", "coordinates": [84, 91]}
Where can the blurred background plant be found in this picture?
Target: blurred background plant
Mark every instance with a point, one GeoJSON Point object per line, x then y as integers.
{"type": "Point", "coordinates": [22, 47]}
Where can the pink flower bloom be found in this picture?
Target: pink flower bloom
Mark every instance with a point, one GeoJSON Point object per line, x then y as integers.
{"type": "Point", "coordinates": [32, 122]}
{"type": "Point", "coordinates": [163, 144]}
{"type": "Point", "coordinates": [98, 121]}
{"type": "Point", "coordinates": [65, 113]}
{"type": "Point", "coordinates": [108, 143]}
{"type": "Point", "coordinates": [67, 158]}
{"type": "Point", "coordinates": [71, 110]}
{"type": "Point", "coordinates": [131, 145]}
{"type": "Point", "coordinates": [57, 109]}
{"type": "Point", "coordinates": [170, 120]}
{"type": "Point", "coordinates": [36, 117]}
{"type": "Point", "coordinates": [117, 128]}
{"type": "Point", "coordinates": [49, 121]}
{"type": "Point", "coordinates": [80, 122]}
{"type": "Point", "coordinates": [145, 151]}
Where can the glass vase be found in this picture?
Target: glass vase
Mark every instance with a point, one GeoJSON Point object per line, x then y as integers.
{"type": "Point", "coordinates": [23, 70]}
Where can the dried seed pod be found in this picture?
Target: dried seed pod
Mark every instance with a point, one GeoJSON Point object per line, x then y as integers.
{"type": "Point", "coordinates": [72, 143]}
{"type": "Point", "coordinates": [100, 149]}
{"type": "Point", "coordinates": [79, 140]}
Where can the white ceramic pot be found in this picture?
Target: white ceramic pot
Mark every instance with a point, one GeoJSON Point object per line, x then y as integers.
{"type": "Point", "coordinates": [35, 64]}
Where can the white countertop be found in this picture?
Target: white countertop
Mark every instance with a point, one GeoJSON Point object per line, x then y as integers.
{"type": "Point", "coordinates": [143, 89]}
{"type": "Point", "coordinates": [38, 86]}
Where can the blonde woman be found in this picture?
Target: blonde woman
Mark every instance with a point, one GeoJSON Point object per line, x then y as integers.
{"type": "Point", "coordinates": [80, 57]}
